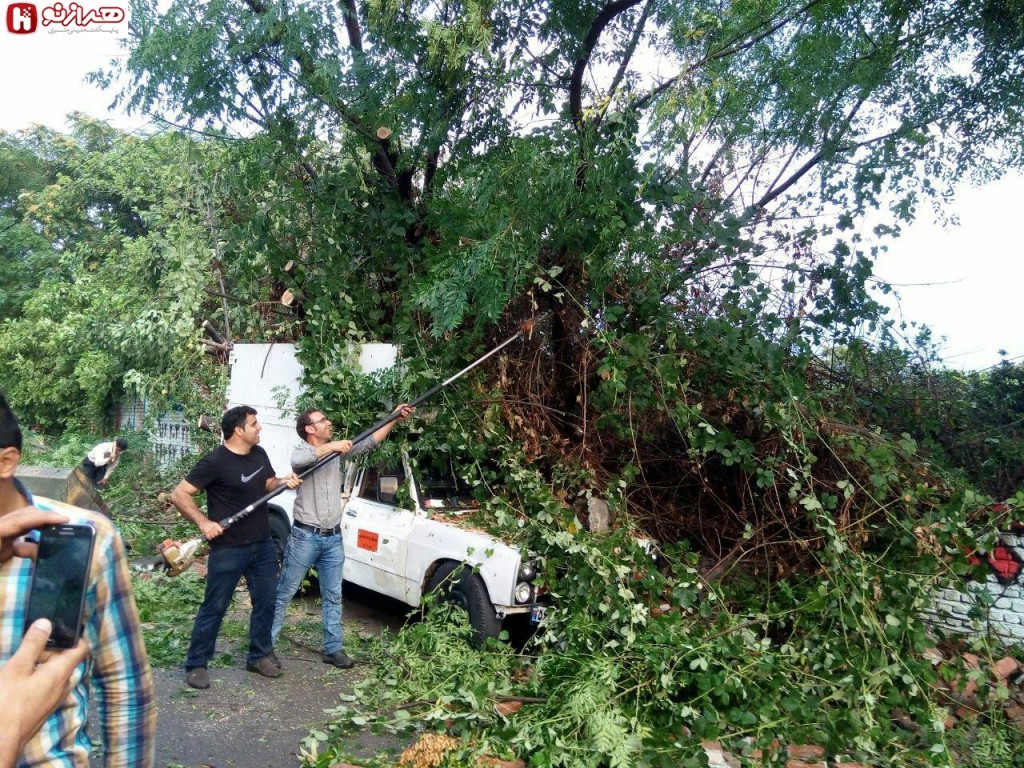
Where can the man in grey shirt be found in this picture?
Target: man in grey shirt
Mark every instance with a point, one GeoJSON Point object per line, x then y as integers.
{"type": "Point", "coordinates": [315, 540]}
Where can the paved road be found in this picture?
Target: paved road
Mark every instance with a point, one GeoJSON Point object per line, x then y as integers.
{"type": "Point", "coordinates": [249, 721]}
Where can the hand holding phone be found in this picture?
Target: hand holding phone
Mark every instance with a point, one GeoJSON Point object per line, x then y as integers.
{"type": "Point", "coordinates": [21, 521]}
{"type": "Point", "coordinates": [60, 581]}
{"type": "Point", "coordinates": [33, 687]}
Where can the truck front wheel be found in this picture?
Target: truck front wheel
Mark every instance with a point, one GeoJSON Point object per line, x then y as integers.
{"type": "Point", "coordinates": [457, 584]}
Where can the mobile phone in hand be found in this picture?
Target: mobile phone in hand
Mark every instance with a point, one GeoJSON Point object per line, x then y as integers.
{"type": "Point", "coordinates": [59, 581]}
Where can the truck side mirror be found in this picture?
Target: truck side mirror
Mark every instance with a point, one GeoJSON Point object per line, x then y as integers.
{"type": "Point", "coordinates": [387, 489]}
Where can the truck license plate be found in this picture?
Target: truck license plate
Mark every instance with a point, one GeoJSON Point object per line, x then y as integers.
{"type": "Point", "coordinates": [537, 614]}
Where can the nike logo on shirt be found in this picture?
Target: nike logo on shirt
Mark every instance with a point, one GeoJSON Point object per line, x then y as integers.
{"type": "Point", "coordinates": [247, 478]}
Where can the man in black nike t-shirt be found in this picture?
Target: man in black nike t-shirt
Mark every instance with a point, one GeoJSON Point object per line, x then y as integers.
{"type": "Point", "coordinates": [234, 475]}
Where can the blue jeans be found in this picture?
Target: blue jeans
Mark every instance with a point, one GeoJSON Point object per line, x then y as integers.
{"type": "Point", "coordinates": [307, 550]}
{"type": "Point", "coordinates": [258, 563]}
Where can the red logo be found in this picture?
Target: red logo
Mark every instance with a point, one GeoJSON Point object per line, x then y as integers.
{"type": "Point", "coordinates": [22, 18]}
{"type": "Point", "coordinates": [74, 14]}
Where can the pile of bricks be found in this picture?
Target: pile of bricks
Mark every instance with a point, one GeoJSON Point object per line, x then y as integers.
{"type": "Point", "coordinates": [961, 697]}
{"type": "Point", "coordinates": [798, 756]}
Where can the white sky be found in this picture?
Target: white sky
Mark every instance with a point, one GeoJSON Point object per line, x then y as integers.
{"type": "Point", "coordinates": [44, 77]}
{"type": "Point", "coordinates": [964, 282]}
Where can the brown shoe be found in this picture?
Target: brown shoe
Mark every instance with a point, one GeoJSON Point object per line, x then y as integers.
{"type": "Point", "coordinates": [198, 678]}
{"type": "Point", "coordinates": [265, 667]}
{"type": "Point", "coordinates": [273, 657]}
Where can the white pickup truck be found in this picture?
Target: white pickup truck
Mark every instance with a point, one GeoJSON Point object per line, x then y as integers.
{"type": "Point", "coordinates": [389, 548]}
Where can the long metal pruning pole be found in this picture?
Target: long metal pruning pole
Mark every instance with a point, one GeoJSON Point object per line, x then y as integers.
{"type": "Point", "coordinates": [525, 328]}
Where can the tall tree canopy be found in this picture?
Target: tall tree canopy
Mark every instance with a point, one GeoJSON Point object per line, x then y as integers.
{"type": "Point", "coordinates": [657, 174]}
{"type": "Point", "coordinates": [443, 160]}
{"type": "Point", "coordinates": [106, 254]}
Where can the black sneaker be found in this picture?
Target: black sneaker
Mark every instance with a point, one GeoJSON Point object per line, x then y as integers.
{"type": "Point", "coordinates": [264, 666]}
{"type": "Point", "coordinates": [198, 678]}
{"type": "Point", "coordinates": [339, 659]}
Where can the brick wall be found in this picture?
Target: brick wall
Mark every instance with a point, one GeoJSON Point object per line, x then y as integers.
{"type": "Point", "coordinates": [1004, 617]}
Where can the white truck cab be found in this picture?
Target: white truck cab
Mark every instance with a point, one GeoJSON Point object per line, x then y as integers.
{"type": "Point", "coordinates": [403, 549]}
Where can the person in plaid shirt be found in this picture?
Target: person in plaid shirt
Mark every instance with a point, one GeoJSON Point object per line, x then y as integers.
{"type": "Point", "coordinates": [116, 669]}
{"type": "Point", "coordinates": [33, 681]}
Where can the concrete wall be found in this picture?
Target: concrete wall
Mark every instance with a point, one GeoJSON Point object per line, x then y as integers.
{"type": "Point", "coordinates": [62, 484]}
{"type": "Point", "coordinates": [51, 482]}
{"type": "Point", "coordinates": [1005, 589]}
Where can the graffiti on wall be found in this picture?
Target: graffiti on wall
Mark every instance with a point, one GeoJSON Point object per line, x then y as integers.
{"type": "Point", "coordinates": [1004, 562]}
{"type": "Point", "coordinates": [170, 436]}
{"type": "Point", "coordinates": [993, 606]}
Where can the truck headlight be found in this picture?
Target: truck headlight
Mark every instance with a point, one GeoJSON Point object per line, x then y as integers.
{"type": "Point", "coordinates": [524, 592]}
{"type": "Point", "coordinates": [528, 571]}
